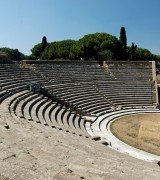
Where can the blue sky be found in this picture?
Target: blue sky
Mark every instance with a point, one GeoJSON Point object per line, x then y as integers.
{"type": "Point", "coordinates": [25, 22]}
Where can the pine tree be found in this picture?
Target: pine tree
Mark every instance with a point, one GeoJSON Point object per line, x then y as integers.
{"type": "Point", "coordinates": [44, 43]}
{"type": "Point", "coordinates": [123, 37]}
{"type": "Point", "coordinates": [43, 46]}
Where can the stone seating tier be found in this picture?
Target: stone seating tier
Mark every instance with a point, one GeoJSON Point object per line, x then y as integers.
{"type": "Point", "coordinates": [85, 85]}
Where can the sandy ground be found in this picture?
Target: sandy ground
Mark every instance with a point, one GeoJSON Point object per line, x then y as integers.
{"type": "Point", "coordinates": [141, 131]}
{"type": "Point", "coordinates": [30, 151]}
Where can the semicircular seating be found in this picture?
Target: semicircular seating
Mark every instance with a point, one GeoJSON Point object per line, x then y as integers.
{"type": "Point", "coordinates": [101, 128]}
{"type": "Point", "coordinates": [80, 96]}
{"type": "Point", "coordinates": [31, 109]}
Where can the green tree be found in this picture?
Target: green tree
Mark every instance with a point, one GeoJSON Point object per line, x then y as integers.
{"type": "Point", "coordinates": [59, 49]}
{"type": "Point", "coordinates": [106, 55]}
{"type": "Point", "coordinates": [50, 51]}
{"type": "Point", "coordinates": [36, 51]}
{"type": "Point", "coordinates": [144, 54]}
{"type": "Point", "coordinates": [16, 55]}
{"type": "Point", "coordinates": [133, 52]}
{"type": "Point", "coordinates": [93, 44]}
{"type": "Point", "coordinates": [123, 37]}
{"type": "Point", "coordinates": [39, 49]}
{"type": "Point", "coordinates": [44, 43]}
{"type": "Point", "coordinates": [13, 54]}
{"type": "Point", "coordinates": [76, 51]}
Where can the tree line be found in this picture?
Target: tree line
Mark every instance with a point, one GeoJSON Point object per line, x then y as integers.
{"type": "Point", "coordinates": [13, 54]}
{"type": "Point", "coordinates": [97, 46]}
